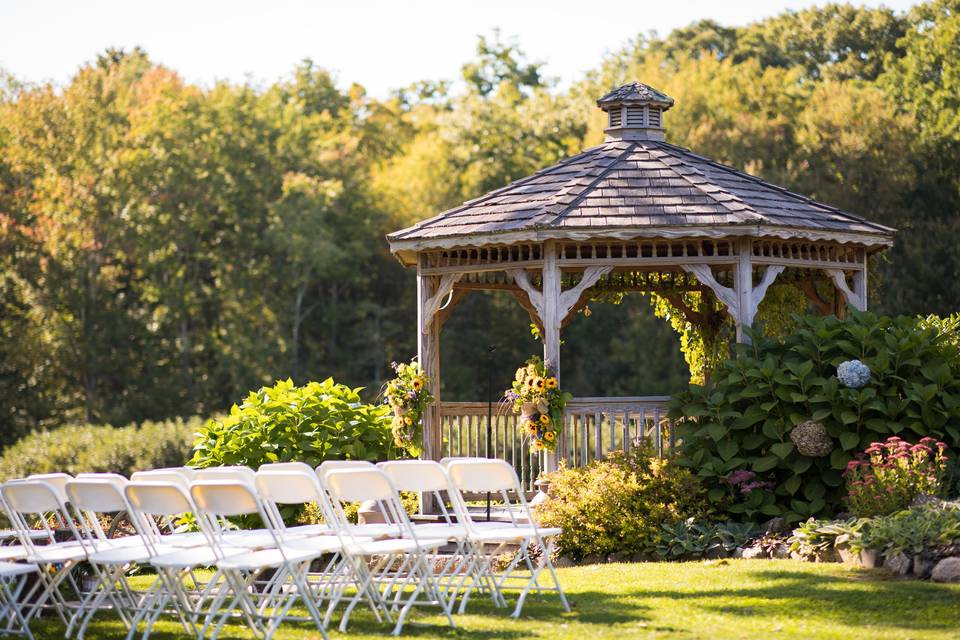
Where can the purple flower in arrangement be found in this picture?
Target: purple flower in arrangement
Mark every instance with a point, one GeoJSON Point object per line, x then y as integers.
{"type": "Point", "coordinates": [412, 395]}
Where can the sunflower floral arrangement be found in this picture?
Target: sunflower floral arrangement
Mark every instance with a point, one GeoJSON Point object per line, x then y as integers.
{"type": "Point", "coordinates": [536, 396]}
{"type": "Point", "coordinates": [408, 396]}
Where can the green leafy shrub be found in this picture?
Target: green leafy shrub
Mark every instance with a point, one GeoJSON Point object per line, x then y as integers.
{"type": "Point", "coordinates": [690, 540]}
{"type": "Point", "coordinates": [620, 504]}
{"type": "Point", "coordinates": [819, 539]}
{"type": "Point", "coordinates": [101, 448]}
{"type": "Point", "coordinates": [921, 529]}
{"type": "Point", "coordinates": [316, 422]}
{"type": "Point", "coordinates": [742, 420]}
{"type": "Point", "coordinates": [890, 475]}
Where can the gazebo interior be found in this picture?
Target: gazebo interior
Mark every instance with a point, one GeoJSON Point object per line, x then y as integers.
{"type": "Point", "coordinates": [633, 214]}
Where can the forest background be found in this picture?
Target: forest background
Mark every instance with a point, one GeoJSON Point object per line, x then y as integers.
{"type": "Point", "coordinates": [165, 247]}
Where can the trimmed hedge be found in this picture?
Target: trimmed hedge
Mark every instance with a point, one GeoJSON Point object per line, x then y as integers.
{"type": "Point", "coordinates": [101, 448]}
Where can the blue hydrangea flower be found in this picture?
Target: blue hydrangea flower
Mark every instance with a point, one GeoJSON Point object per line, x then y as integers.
{"type": "Point", "coordinates": [853, 374]}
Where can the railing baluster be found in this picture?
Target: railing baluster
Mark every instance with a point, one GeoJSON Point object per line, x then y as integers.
{"type": "Point", "coordinates": [598, 438]}
{"type": "Point", "coordinates": [657, 442]}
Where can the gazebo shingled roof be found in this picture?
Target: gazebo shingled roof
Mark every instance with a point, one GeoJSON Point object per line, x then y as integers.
{"type": "Point", "coordinates": [640, 188]}
{"type": "Point", "coordinates": [634, 213]}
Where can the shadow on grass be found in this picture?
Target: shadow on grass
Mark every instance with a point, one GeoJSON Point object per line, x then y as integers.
{"type": "Point", "coordinates": [864, 598]}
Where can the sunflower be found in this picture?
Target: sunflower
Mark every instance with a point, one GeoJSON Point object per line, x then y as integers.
{"type": "Point", "coordinates": [549, 435]}
{"type": "Point", "coordinates": [551, 383]}
{"type": "Point", "coordinates": [417, 384]}
{"type": "Point", "coordinates": [538, 384]}
{"type": "Point", "coordinates": [544, 418]}
{"type": "Point", "coordinates": [538, 445]}
{"type": "Point", "coordinates": [532, 428]}
{"type": "Point", "coordinates": [408, 421]}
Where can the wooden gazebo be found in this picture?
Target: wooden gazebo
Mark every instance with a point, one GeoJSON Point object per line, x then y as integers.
{"type": "Point", "coordinates": [632, 213]}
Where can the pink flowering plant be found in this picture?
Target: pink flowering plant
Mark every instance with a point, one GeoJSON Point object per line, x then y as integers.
{"type": "Point", "coordinates": [888, 476]}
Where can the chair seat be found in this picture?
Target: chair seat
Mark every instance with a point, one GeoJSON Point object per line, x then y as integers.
{"type": "Point", "coordinates": [124, 555]}
{"type": "Point", "coordinates": [267, 558]}
{"type": "Point", "coordinates": [320, 544]}
{"type": "Point", "coordinates": [309, 530]}
{"type": "Point", "coordinates": [508, 533]}
{"type": "Point", "coordinates": [12, 569]}
{"type": "Point", "coordinates": [55, 554]}
{"type": "Point", "coordinates": [441, 530]}
{"type": "Point", "coordinates": [398, 545]}
{"type": "Point", "coordinates": [376, 530]}
{"type": "Point", "coordinates": [195, 557]}
{"type": "Point", "coordinates": [13, 552]}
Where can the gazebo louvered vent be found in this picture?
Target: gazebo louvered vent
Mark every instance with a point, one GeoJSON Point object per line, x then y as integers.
{"type": "Point", "coordinates": [635, 212]}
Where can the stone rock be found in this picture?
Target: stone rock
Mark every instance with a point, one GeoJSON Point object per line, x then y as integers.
{"type": "Point", "coordinates": [752, 553]}
{"type": "Point", "coordinates": [592, 559]}
{"type": "Point", "coordinates": [923, 566]}
{"type": "Point", "coordinates": [870, 558]}
{"type": "Point", "coordinates": [781, 552]}
{"type": "Point", "coordinates": [737, 553]}
{"type": "Point", "coordinates": [774, 525]}
{"type": "Point", "coordinates": [947, 570]}
{"type": "Point", "coordinates": [620, 556]}
{"type": "Point", "coordinates": [899, 564]}
{"type": "Point", "coordinates": [563, 562]}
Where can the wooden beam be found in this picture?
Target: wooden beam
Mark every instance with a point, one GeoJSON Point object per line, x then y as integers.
{"type": "Point", "coordinates": [428, 353]}
{"type": "Point", "coordinates": [856, 299]}
{"type": "Point", "coordinates": [524, 301]}
{"type": "Point", "coordinates": [444, 312]}
{"type": "Point", "coordinates": [552, 317]}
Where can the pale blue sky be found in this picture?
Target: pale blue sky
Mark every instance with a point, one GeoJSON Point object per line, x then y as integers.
{"type": "Point", "coordinates": [380, 44]}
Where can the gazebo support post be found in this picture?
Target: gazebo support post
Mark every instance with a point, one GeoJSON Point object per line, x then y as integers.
{"type": "Point", "coordinates": [551, 323]}
{"type": "Point", "coordinates": [744, 287]}
{"type": "Point", "coordinates": [428, 353]}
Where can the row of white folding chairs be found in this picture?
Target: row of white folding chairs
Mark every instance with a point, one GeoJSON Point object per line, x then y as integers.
{"type": "Point", "coordinates": [156, 494]}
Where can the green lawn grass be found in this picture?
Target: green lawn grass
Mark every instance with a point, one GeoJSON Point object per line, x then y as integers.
{"type": "Point", "coordinates": [735, 599]}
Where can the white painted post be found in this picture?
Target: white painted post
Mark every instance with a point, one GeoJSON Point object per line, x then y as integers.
{"type": "Point", "coordinates": [551, 322]}
{"type": "Point", "coordinates": [860, 283]}
{"type": "Point", "coordinates": [744, 286]}
{"type": "Point", "coordinates": [428, 353]}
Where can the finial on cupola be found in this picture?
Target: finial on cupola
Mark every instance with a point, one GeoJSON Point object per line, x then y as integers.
{"type": "Point", "coordinates": [635, 112]}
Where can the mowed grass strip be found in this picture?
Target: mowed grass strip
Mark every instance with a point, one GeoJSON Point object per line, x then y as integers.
{"type": "Point", "coordinates": [711, 600]}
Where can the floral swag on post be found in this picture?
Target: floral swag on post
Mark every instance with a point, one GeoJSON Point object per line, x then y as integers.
{"type": "Point", "coordinates": [408, 396]}
{"type": "Point", "coordinates": [537, 398]}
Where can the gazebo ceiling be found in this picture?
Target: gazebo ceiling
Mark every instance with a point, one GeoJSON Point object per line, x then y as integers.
{"type": "Point", "coordinates": [635, 185]}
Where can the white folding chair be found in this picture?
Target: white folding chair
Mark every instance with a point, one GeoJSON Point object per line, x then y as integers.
{"type": "Point", "coordinates": [300, 486]}
{"type": "Point", "coordinates": [154, 506]}
{"type": "Point", "coordinates": [264, 606]}
{"type": "Point", "coordinates": [37, 502]}
{"type": "Point", "coordinates": [13, 578]}
{"type": "Point", "coordinates": [464, 569]}
{"type": "Point", "coordinates": [500, 478]}
{"type": "Point", "coordinates": [402, 563]}
{"type": "Point", "coordinates": [91, 496]}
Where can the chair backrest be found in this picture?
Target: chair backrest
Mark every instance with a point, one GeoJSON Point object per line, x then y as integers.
{"type": "Point", "coordinates": [289, 486]}
{"type": "Point", "coordinates": [153, 502]}
{"type": "Point", "coordinates": [360, 484]}
{"type": "Point", "coordinates": [237, 473]}
{"type": "Point", "coordinates": [56, 480]}
{"type": "Point", "coordinates": [329, 465]}
{"type": "Point", "coordinates": [163, 475]}
{"type": "Point", "coordinates": [425, 476]}
{"type": "Point", "coordinates": [93, 496]}
{"type": "Point", "coordinates": [218, 500]}
{"type": "Point", "coordinates": [445, 462]}
{"type": "Point", "coordinates": [36, 504]}
{"type": "Point", "coordinates": [285, 466]}
{"type": "Point", "coordinates": [482, 475]}
{"type": "Point", "coordinates": [187, 472]}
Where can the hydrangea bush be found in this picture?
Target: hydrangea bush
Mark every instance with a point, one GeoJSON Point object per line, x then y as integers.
{"type": "Point", "coordinates": [888, 476]}
{"type": "Point", "coordinates": [909, 374]}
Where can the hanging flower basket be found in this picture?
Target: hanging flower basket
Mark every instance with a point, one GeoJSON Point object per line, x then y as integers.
{"type": "Point", "coordinates": [409, 396]}
{"type": "Point", "coordinates": [536, 397]}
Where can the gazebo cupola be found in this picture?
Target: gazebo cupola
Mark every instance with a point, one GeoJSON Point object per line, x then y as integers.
{"type": "Point", "coordinates": [635, 112]}
{"type": "Point", "coordinates": [634, 213]}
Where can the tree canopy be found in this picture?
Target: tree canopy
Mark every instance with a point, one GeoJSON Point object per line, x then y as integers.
{"type": "Point", "coordinates": [164, 247]}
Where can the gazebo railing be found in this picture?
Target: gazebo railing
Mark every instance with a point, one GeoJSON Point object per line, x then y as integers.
{"type": "Point", "coordinates": [593, 427]}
